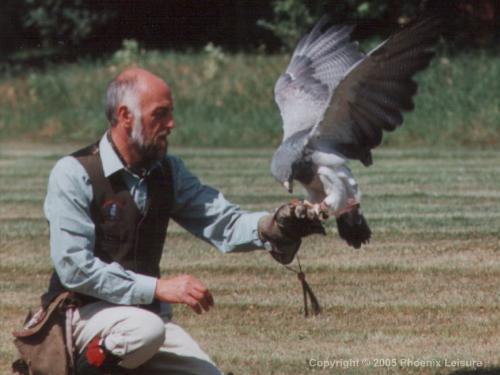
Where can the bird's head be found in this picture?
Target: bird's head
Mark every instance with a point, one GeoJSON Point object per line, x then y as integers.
{"type": "Point", "coordinates": [282, 165]}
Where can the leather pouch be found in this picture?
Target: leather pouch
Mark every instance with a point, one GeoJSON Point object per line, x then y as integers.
{"type": "Point", "coordinates": [42, 343]}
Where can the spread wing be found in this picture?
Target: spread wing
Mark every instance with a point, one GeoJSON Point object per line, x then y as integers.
{"type": "Point", "coordinates": [374, 92]}
{"type": "Point", "coordinates": [318, 63]}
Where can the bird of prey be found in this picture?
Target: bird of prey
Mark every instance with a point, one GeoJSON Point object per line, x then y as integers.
{"type": "Point", "coordinates": [335, 102]}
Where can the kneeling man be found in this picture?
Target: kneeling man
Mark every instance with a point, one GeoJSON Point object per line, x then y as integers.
{"type": "Point", "coordinates": [109, 205]}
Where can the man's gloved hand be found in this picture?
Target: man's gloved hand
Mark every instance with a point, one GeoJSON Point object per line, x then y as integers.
{"type": "Point", "coordinates": [285, 229]}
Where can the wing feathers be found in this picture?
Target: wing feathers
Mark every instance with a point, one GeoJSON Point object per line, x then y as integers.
{"type": "Point", "coordinates": [306, 40]}
{"type": "Point", "coordinates": [329, 42]}
{"type": "Point", "coordinates": [421, 33]}
{"type": "Point", "coordinates": [384, 117]}
{"type": "Point", "coordinates": [375, 91]}
{"type": "Point", "coordinates": [318, 64]}
{"type": "Point", "coordinates": [393, 88]}
{"type": "Point", "coordinates": [388, 100]}
{"type": "Point", "coordinates": [366, 127]}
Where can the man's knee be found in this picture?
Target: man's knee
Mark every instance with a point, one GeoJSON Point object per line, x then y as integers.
{"type": "Point", "coordinates": [136, 338]}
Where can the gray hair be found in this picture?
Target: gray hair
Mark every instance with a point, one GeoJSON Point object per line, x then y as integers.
{"type": "Point", "coordinates": [121, 91]}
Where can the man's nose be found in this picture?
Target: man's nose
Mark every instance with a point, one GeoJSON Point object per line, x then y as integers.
{"type": "Point", "coordinates": [171, 124]}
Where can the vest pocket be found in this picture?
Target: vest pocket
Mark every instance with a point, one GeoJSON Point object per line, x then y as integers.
{"type": "Point", "coordinates": [110, 236]}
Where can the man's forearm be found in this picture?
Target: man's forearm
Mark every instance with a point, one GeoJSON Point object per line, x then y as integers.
{"type": "Point", "coordinates": [80, 271]}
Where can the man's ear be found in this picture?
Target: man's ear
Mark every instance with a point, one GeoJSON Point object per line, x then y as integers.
{"type": "Point", "coordinates": [125, 117]}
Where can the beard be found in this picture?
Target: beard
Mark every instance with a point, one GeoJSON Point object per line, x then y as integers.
{"type": "Point", "coordinates": [150, 150]}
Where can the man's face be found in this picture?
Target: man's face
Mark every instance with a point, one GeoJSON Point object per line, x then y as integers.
{"type": "Point", "coordinates": [156, 121]}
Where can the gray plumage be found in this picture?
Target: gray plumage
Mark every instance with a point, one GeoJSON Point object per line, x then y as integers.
{"type": "Point", "coordinates": [335, 103]}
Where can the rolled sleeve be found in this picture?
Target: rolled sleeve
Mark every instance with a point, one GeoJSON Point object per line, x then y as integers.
{"type": "Point", "coordinates": [72, 240]}
{"type": "Point", "coordinates": [203, 211]}
{"type": "Point", "coordinates": [144, 290]}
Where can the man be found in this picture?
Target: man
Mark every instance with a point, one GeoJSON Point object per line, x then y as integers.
{"type": "Point", "coordinates": [108, 206]}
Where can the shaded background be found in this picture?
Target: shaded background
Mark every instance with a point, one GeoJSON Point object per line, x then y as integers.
{"type": "Point", "coordinates": [77, 27]}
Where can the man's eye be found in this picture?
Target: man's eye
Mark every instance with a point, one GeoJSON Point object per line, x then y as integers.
{"type": "Point", "coordinates": [162, 113]}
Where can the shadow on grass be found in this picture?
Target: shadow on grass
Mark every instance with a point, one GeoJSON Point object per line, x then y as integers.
{"type": "Point", "coordinates": [481, 371]}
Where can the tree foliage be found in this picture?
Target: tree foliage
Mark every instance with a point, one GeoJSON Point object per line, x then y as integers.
{"type": "Point", "coordinates": [66, 22]}
{"type": "Point", "coordinates": [468, 22]}
{"type": "Point", "coordinates": [291, 19]}
{"type": "Point", "coordinates": [102, 25]}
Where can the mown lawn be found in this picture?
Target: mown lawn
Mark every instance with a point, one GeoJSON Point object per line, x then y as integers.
{"type": "Point", "coordinates": [427, 288]}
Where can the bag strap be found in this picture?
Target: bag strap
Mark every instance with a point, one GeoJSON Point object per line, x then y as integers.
{"type": "Point", "coordinates": [39, 320]}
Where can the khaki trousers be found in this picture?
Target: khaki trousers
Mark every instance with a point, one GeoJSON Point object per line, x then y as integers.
{"type": "Point", "coordinates": [146, 342]}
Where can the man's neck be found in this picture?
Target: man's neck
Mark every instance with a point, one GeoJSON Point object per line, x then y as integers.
{"type": "Point", "coordinates": [128, 154]}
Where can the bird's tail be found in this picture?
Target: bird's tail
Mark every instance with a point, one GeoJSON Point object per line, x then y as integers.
{"type": "Point", "coordinates": [353, 228]}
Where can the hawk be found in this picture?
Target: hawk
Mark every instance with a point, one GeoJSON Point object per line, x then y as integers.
{"type": "Point", "coordinates": [335, 103]}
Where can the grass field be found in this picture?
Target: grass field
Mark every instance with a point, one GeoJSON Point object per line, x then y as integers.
{"type": "Point", "coordinates": [426, 288]}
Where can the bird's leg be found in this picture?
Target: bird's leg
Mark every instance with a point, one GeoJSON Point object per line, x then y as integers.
{"type": "Point", "coordinates": [351, 205]}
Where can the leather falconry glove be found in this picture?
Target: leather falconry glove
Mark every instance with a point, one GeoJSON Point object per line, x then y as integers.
{"type": "Point", "coordinates": [284, 230]}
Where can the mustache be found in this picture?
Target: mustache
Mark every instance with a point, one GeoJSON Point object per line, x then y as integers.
{"type": "Point", "coordinates": [162, 135]}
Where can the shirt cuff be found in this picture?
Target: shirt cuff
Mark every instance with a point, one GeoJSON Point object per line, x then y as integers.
{"type": "Point", "coordinates": [145, 287]}
{"type": "Point", "coordinates": [261, 244]}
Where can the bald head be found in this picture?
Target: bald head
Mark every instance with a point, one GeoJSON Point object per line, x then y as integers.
{"type": "Point", "coordinates": [127, 89]}
{"type": "Point", "coordinates": [139, 108]}
{"type": "Point", "coordinates": [143, 78]}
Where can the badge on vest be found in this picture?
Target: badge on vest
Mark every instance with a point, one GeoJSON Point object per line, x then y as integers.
{"type": "Point", "coordinates": [111, 209]}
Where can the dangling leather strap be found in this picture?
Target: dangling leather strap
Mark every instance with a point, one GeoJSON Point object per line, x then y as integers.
{"type": "Point", "coordinates": [307, 292]}
{"type": "Point", "coordinates": [306, 289]}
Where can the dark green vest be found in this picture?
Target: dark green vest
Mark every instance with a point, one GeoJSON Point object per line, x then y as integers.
{"type": "Point", "coordinates": [122, 233]}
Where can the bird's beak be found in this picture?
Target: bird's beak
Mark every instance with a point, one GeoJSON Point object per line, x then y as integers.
{"type": "Point", "coordinates": [288, 186]}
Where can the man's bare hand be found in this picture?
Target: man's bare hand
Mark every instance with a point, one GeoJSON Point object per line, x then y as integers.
{"type": "Point", "coordinates": [185, 289]}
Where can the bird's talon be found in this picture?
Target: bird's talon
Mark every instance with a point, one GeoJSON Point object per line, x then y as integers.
{"type": "Point", "coordinates": [300, 211]}
{"type": "Point", "coordinates": [323, 216]}
{"type": "Point", "coordinates": [312, 212]}
{"type": "Point", "coordinates": [308, 204]}
{"type": "Point", "coordinates": [323, 211]}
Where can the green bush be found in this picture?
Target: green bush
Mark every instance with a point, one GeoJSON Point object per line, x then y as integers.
{"type": "Point", "coordinates": [225, 99]}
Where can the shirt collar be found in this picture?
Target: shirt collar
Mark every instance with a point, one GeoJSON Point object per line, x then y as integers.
{"type": "Point", "coordinates": [111, 162]}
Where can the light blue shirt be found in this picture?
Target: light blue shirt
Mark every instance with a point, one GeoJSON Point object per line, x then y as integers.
{"type": "Point", "coordinates": [198, 208]}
